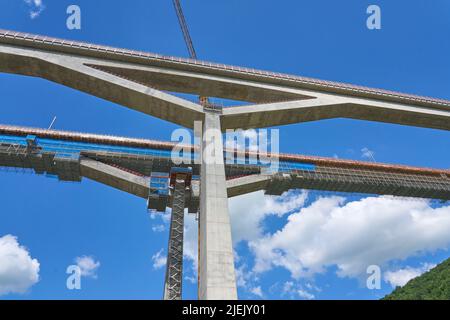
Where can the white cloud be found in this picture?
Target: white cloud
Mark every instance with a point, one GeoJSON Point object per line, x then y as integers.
{"type": "Point", "coordinates": [241, 276]}
{"type": "Point", "coordinates": [18, 271]}
{"type": "Point", "coordinates": [159, 260]}
{"type": "Point", "coordinates": [257, 291]}
{"type": "Point", "coordinates": [158, 228]}
{"type": "Point", "coordinates": [305, 294]}
{"type": "Point", "coordinates": [249, 211]}
{"type": "Point", "coordinates": [245, 278]}
{"type": "Point", "coordinates": [153, 214]}
{"type": "Point", "coordinates": [294, 291]}
{"type": "Point", "coordinates": [247, 214]}
{"type": "Point", "coordinates": [36, 7]}
{"type": "Point", "coordinates": [164, 216]}
{"type": "Point", "coordinates": [191, 279]}
{"type": "Point", "coordinates": [88, 266]}
{"type": "Point", "coordinates": [190, 250]}
{"type": "Point", "coordinates": [402, 276]}
{"type": "Point", "coordinates": [351, 236]}
{"type": "Point", "coordinates": [328, 232]}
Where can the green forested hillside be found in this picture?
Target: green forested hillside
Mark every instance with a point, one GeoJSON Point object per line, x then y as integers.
{"type": "Point", "coordinates": [433, 285]}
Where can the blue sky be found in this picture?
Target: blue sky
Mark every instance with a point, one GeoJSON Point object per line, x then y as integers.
{"type": "Point", "coordinates": [58, 222]}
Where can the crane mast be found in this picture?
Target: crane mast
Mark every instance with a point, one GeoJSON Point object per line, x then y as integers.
{"type": "Point", "coordinates": [184, 29]}
{"type": "Point", "coordinates": [204, 101]}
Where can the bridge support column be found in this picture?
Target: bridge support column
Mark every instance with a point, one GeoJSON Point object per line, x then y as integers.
{"type": "Point", "coordinates": [216, 262]}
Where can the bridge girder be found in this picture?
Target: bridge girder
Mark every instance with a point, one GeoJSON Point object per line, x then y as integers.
{"type": "Point", "coordinates": [140, 80]}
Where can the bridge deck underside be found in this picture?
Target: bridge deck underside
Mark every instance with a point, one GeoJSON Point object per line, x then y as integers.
{"type": "Point", "coordinates": [316, 177]}
{"type": "Point", "coordinates": [363, 181]}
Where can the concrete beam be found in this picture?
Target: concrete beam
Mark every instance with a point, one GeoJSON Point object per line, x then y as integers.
{"type": "Point", "coordinates": [328, 107]}
{"type": "Point", "coordinates": [279, 113]}
{"type": "Point", "coordinates": [204, 68]}
{"type": "Point", "coordinates": [205, 85]}
{"type": "Point", "coordinates": [73, 72]}
{"type": "Point", "coordinates": [127, 83]}
{"type": "Point", "coordinates": [115, 177]}
{"type": "Point", "coordinates": [247, 184]}
{"type": "Point", "coordinates": [163, 73]}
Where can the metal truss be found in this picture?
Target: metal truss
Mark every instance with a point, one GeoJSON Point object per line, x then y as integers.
{"type": "Point", "coordinates": [174, 267]}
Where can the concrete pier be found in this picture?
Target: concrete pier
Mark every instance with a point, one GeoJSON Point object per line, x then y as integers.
{"type": "Point", "coordinates": [216, 262]}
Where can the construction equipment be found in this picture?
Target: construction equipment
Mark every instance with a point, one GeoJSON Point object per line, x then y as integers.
{"type": "Point", "coordinates": [204, 101]}
{"type": "Point", "coordinates": [180, 181]}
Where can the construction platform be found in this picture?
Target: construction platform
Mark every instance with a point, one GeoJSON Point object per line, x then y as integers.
{"type": "Point", "coordinates": [70, 156]}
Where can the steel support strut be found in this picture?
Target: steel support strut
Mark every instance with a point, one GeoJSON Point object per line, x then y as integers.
{"type": "Point", "coordinates": [174, 266]}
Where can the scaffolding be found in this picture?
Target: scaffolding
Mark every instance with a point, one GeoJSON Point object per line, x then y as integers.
{"type": "Point", "coordinates": [180, 180]}
{"type": "Point", "coordinates": [58, 154]}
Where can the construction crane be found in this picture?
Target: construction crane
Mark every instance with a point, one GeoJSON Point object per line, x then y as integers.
{"type": "Point", "coordinates": [204, 101]}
